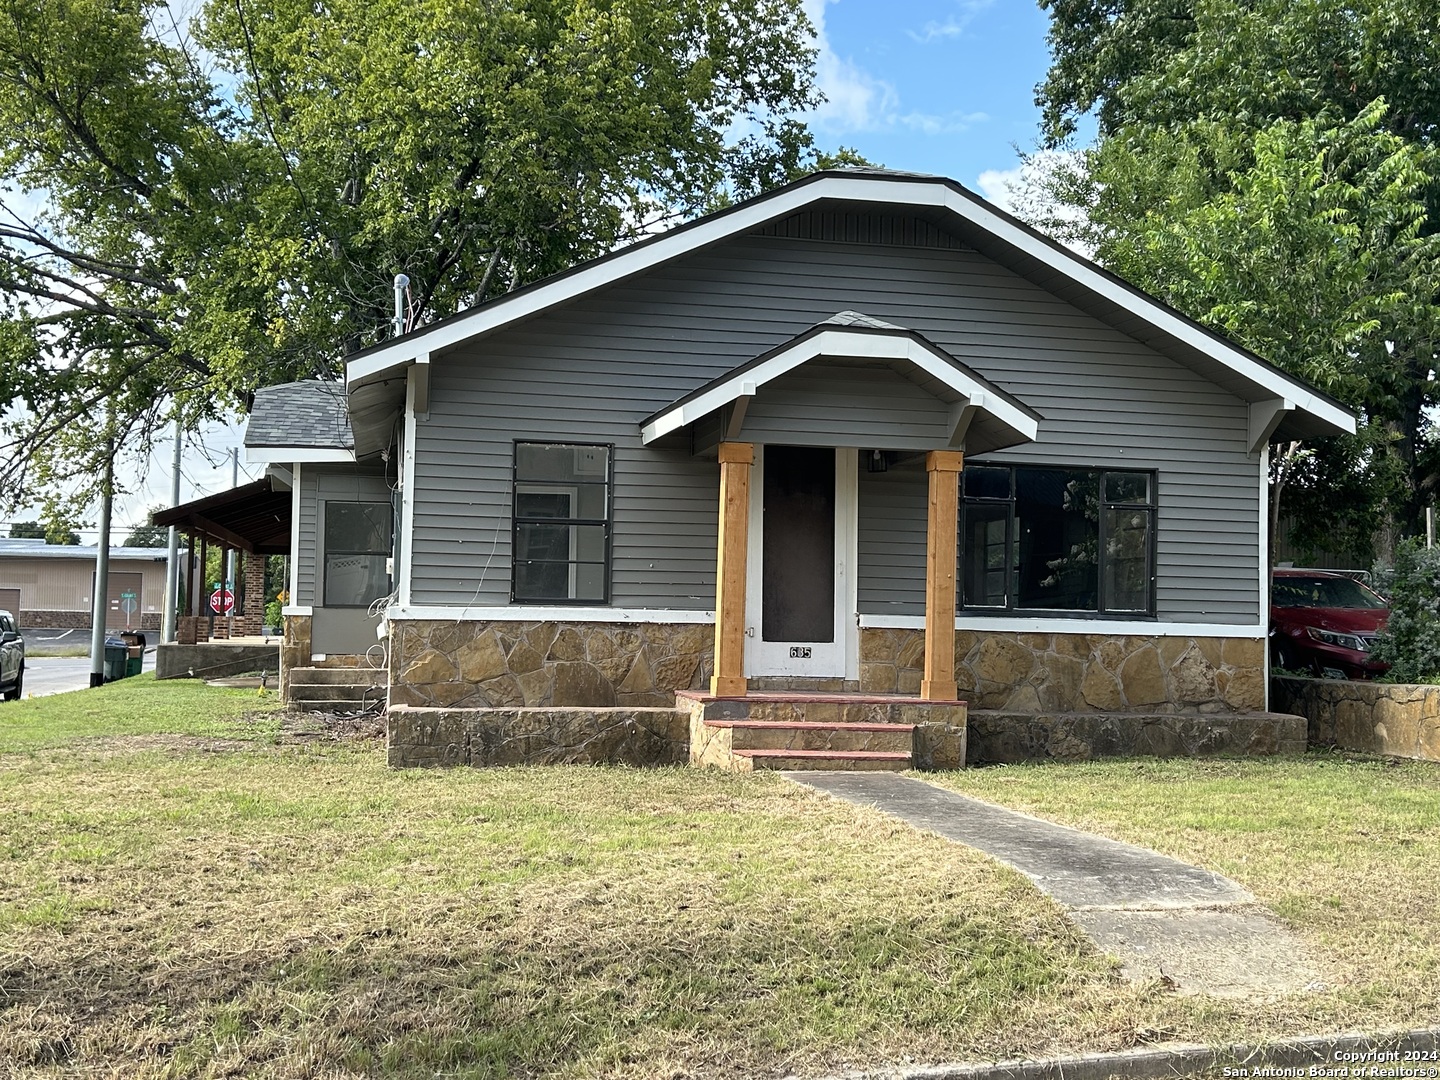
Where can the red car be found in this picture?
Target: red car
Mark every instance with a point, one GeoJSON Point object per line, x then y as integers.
{"type": "Point", "coordinates": [1324, 624]}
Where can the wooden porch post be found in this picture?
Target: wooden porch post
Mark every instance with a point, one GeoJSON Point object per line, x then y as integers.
{"type": "Point", "coordinates": [735, 461]}
{"type": "Point", "coordinates": [938, 682]}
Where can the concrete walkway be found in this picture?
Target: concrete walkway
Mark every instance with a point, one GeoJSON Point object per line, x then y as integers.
{"type": "Point", "coordinates": [1160, 917]}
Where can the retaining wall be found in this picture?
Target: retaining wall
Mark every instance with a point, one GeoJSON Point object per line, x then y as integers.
{"type": "Point", "coordinates": [1394, 719]}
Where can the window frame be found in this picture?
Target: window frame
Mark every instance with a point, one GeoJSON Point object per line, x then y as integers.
{"type": "Point", "coordinates": [326, 551]}
{"type": "Point", "coordinates": [1101, 612]}
{"type": "Point", "coordinates": [552, 486]}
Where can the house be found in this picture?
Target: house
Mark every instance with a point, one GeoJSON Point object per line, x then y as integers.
{"type": "Point", "coordinates": [50, 586]}
{"type": "Point", "coordinates": [865, 434]}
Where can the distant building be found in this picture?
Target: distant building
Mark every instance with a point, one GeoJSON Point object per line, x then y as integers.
{"type": "Point", "coordinates": [51, 586]}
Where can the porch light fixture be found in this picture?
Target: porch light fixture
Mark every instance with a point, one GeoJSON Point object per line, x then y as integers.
{"type": "Point", "coordinates": [876, 461]}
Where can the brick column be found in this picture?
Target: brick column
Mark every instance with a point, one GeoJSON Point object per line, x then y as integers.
{"type": "Point", "coordinates": [255, 598]}
{"type": "Point", "coordinates": [735, 462]}
{"type": "Point", "coordinates": [941, 537]}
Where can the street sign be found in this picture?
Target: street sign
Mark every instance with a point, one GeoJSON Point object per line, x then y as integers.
{"type": "Point", "coordinates": [222, 602]}
{"type": "Point", "coordinates": [128, 605]}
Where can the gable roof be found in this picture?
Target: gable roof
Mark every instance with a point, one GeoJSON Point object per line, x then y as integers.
{"type": "Point", "coordinates": [1285, 403]}
{"type": "Point", "coordinates": [984, 417]}
{"type": "Point", "coordinates": [299, 421]}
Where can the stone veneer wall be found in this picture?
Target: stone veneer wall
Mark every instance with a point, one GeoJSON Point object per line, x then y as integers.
{"type": "Point", "coordinates": [622, 736]}
{"type": "Point", "coordinates": [532, 664]}
{"type": "Point", "coordinates": [1395, 719]}
{"type": "Point", "coordinates": [1099, 672]}
{"type": "Point", "coordinates": [1001, 738]}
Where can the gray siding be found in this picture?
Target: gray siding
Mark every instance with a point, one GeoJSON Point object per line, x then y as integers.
{"type": "Point", "coordinates": [821, 404]}
{"type": "Point", "coordinates": [319, 484]}
{"type": "Point", "coordinates": [591, 371]}
{"type": "Point", "coordinates": [305, 554]}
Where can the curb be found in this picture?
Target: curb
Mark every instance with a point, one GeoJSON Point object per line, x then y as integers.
{"type": "Point", "coordinates": [1345, 1057]}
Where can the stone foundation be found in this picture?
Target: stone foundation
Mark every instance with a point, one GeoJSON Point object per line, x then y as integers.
{"type": "Point", "coordinates": [1394, 719]}
{"type": "Point", "coordinates": [1055, 673]}
{"type": "Point", "coordinates": [547, 664]}
{"type": "Point", "coordinates": [1000, 737]}
{"type": "Point", "coordinates": [622, 736]}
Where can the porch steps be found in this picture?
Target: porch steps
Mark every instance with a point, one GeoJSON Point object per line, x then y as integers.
{"type": "Point", "coordinates": [795, 730]}
{"type": "Point", "coordinates": [336, 690]}
{"type": "Point", "coordinates": [746, 745]}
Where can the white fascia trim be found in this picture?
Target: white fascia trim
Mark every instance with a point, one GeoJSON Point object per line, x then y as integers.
{"type": "Point", "coordinates": [406, 543]}
{"type": "Point", "coordinates": [294, 585]}
{"type": "Point", "coordinates": [1071, 626]}
{"type": "Point", "coordinates": [1265, 417]}
{"type": "Point", "coordinates": [284, 455]}
{"type": "Point", "coordinates": [1265, 551]}
{"type": "Point", "coordinates": [559, 613]}
{"type": "Point", "coordinates": [298, 609]}
{"type": "Point", "coordinates": [856, 190]}
{"type": "Point", "coordinates": [839, 343]}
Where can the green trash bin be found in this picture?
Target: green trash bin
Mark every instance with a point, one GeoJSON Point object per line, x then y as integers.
{"type": "Point", "coordinates": [134, 652]}
{"type": "Point", "coordinates": [116, 655]}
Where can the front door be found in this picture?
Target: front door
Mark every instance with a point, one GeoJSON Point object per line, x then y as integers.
{"type": "Point", "coordinates": [800, 594]}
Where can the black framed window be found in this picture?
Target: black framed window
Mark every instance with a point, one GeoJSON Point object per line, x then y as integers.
{"type": "Point", "coordinates": [560, 547]}
{"type": "Point", "coordinates": [358, 539]}
{"type": "Point", "coordinates": [1043, 539]}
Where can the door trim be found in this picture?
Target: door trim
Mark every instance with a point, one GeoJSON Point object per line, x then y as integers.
{"type": "Point", "coordinates": [844, 661]}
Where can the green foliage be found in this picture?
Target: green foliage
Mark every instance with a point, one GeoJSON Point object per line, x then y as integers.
{"type": "Point", "coordinates": [226, 203]}
{"type": "Point", "coordinates": [1269, 168]}
{"type": "Point", "coordinates": [273, 616]}
{"type": "Point", "coordinates": [148, 535]}
{"type": "Point", "coordinates": [1410, 642]}
{"type": "Point", "coordinates": [52, 532]}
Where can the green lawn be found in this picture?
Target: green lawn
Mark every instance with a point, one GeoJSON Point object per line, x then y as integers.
{"type": "Point", "coordinates": [175, 903]}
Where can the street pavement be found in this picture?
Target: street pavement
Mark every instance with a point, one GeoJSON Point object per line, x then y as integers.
{"type": "Point", "coordinates": [59, 674]}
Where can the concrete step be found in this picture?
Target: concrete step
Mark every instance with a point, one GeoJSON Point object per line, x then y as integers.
{"type": "Point", "coordinates": [356, 676]}
{"type": "Point", "coordinates": [336, 705]}
{"type": "Point", "coordinates": [833, 760]}
{"type": "Point", "coordinates": [806, 735]}
{"type": "Point", "coordinates": [337, 691]}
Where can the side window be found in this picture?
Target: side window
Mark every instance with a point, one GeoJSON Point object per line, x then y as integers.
{"type": "Point", "coordinates": [560, 545]}
{"type": "Point", "coordinates": [357, 543]}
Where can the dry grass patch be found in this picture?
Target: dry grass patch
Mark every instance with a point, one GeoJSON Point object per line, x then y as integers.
{"type": "Point", "coordinates": [1346, 850]}
{"type": "Point", "coordinates": [303, 911]}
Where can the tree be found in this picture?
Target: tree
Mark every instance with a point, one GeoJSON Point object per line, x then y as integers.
{"type": "Point", "coordinates": [220, 218]}
{"type": "Point", "coordinates": [52, 532]}
{"type": "Point", "coordinates": [1269, 168]}
{"type": "Point", "coordinates": [154, 536]}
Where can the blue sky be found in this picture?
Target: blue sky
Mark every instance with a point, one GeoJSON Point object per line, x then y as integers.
{"type": "Point", "coordinates": [939, 86]}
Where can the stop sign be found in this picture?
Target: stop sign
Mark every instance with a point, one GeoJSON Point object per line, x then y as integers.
{"type": "Point", "coordinates": [222, 602]}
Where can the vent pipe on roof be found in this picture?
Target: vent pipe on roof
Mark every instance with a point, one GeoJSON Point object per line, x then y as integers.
{"type": "Point", "coordinates": [402, 283]}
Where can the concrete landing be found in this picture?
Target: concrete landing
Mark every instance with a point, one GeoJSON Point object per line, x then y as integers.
{"type": "Point", "coordinates": [1160, 917]}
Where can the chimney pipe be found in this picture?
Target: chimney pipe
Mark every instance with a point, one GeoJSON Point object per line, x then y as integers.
{"type": "Point", "coordinates": [401, 284]}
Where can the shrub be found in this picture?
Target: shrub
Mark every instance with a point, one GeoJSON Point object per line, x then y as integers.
{"type": "Point", "coordinates": [1410, 643]}
{"type": "Point", "coordinates": [272, 613]}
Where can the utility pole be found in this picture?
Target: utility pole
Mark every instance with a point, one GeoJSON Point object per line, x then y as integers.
{"type": "Point", "coordinates": [172, 566]}
{"type": "Point", "coordinates": [101, 607]}
{"type": "Point", "coordinates": [230, 556]}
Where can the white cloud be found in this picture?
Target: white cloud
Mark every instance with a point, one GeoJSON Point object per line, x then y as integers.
{"type": "Point", "coordinates": [950, 124]}
{"type": "Point", "coordinates": [953, 26]}
{"type": "Point", "coordinates": [855, 99]}
{"type": "Point", "coordinates": [1020, 191]}
{"type": "Point", "coordinates": [858, 101]}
